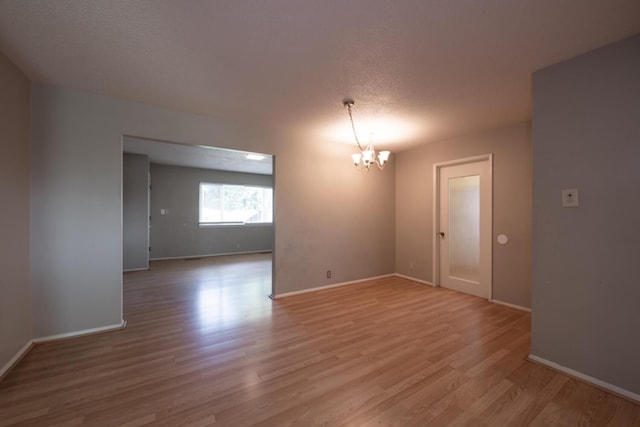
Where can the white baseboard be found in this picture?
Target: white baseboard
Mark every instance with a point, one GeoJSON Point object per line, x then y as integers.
{"type": "Point", "coordinates": [130, 270]}
{"type": "Point", "coordinates": [414, 279]}
{"type": "Point", "coordinates": [15, 359]}
{"type": "Point", "coordinates": [587, 379]}
{"type": "Point", "coordinates": [210, 255]}
{"type": "Point", "coordinates": [334, 285]}
{"type": "Point", "coordinates": [24, 350]}
{"type": "Point", "coordinates": [508, 304]}
{"type": "Point", "coordinates": [74, 334]}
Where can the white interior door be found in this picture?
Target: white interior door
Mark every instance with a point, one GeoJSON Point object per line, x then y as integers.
{"type": "Point", "coordinates": [464, 227]}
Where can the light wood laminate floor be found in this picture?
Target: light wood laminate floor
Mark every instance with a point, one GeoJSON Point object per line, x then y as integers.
{"type": "Point", "coordinates": [205, 346]}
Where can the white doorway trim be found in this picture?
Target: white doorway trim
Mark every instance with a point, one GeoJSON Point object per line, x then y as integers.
{"type": "Point", "coordinates": [436, 213]}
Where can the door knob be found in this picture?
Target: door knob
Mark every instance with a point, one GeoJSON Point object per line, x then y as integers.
{"type": "Point", "coordinates": [441, 234]}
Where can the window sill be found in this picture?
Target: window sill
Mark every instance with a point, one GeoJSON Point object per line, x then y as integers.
{"type": "Point", "coordinates": [234, 224]}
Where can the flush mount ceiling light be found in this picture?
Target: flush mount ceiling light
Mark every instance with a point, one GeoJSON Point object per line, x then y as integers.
{"type": "Point", "coordinates": [367, 156]}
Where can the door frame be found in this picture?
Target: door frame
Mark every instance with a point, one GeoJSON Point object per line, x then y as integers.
{"type": "Point", "coordinates": [436, 213]}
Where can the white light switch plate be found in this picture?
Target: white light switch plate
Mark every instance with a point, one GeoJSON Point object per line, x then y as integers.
{"type": "Point", "coordinates": [570, 198]}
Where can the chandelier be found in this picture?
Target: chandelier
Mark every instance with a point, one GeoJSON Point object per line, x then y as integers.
{"type": "Point", "coordinates": [367, 156]}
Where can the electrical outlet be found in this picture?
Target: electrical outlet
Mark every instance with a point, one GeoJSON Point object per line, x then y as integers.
{"type": "Point", "coordinates": [328, 274]}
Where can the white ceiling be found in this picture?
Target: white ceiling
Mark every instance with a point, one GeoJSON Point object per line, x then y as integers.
{"type": "Point", "coordinates": [204, 157]}
{"type": "Point", "coordinates": [419, 70]}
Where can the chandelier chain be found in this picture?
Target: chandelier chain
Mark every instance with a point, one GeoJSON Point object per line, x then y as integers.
{"type": "Point", "coordinates": [353, 127]}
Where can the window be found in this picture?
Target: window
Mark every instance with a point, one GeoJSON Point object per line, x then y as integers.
{"type": "Point", "coordinates": [235, 204]}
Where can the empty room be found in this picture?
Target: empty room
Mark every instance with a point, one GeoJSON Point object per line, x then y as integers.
{"type": "Point", "coordinates": [356, 213]}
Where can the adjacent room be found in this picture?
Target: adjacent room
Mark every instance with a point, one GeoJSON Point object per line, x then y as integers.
{"type": "Point", "coordinates": [315, 213]}
{"type": "Point", "coordinates": [193, 202]}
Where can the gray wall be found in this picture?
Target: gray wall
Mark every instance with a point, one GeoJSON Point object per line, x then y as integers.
{"type": "Point", "coordinates": [328, 216]}
{"type": "Point", "coordinates": [135, 211]}
{"type": "Point", "coordinates": [178, 234]}
{"type": "Point", "coordinates": [76, 214]}
{"type": "Point", "coordinates": [586, 291]}
{"type": "Point", "coordinates": [511, 147]}
{"type": "Point", "coordinates": [15, 307]}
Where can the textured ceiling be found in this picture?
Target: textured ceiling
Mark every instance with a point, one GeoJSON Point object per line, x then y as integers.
{"type": "Point", "coordinates": [168, 153]}
{"type": "Point", "coordinates": [419, 70]}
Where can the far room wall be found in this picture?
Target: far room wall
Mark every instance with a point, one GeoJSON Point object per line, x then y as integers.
{"type": "Point", "coordinates": [177, 233]}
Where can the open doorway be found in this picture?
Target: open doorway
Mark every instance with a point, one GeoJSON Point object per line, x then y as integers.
{"type": "Point", "coordinates": [185, 202]}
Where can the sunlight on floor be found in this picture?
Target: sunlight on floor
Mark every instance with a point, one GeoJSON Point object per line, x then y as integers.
{"type": "Point", "coordinates": [234, 293]}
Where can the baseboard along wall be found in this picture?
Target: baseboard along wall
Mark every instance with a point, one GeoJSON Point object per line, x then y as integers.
{"type": "Point", "coordinates": [603, 385]}
{"type": "Point", "coordinates": [425, 282]}
{"type": "Point", "coordinates": [15, 359]}
{"type": "Point", "coordinates": [75, 334]}
{"type": "Point", "coordinates": [35, 341]}
{"type": "Point", "coordinates": [333, 285]}
{"type": "Point", "coordinates": [508, 304]}
{"type": "Point", "coordinates": [209, 255]}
